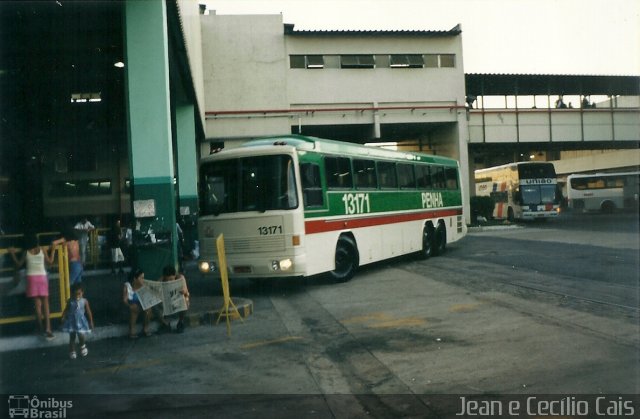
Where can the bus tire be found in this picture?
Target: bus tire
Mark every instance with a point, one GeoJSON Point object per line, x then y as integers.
{"type": "Point", "coordinates": [347, 259]}
{"type": "Point", "coordinates": [427, 241]}
{"type": "Point", "coordinates": [607, 207]}
{"type": "Point", "coordinates": [440, 240]}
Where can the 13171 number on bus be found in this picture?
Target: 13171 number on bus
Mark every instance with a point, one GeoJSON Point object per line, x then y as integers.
{"type": "Point", "coordinates": [356, 203]}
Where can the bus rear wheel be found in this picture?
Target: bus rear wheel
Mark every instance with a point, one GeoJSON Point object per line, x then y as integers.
{"type": "Point", "coordinates": [346, 259]}
{"type": "Point", "coordinates": [427, 242]}
{"type": "Point", "coordinates": [439, 240]}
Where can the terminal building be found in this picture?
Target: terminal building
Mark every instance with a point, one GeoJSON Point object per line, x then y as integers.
{"type": "Point", "coordinates": [107, 107]}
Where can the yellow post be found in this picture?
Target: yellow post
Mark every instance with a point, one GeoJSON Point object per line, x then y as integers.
{"type": "Point", "coordinates": [63, 270]}
{"type": "Point", "coordinates": [93, 247]}
{"type": "Point", "coordinates": [224, 311]}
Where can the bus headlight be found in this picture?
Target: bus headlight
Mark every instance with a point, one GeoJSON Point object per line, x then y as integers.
{"type": "Point", "coordinates": [281, 265]}
{"type": "Point", "coordinates": [206, 267]}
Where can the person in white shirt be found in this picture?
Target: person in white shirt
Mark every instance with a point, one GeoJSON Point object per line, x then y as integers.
{"type": "Point", "coordinates": [83, 228]}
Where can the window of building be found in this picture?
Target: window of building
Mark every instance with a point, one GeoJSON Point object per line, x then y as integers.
{"type": "Point", "coordinates": [297, 61]}
{"type": "Point", "coordinates": [439, 60]}
{"type": "Point", "coordinates": [447, 60]}
{"type": "Point", "coordinates": [88, 97]}
{"type": "Point", "coordinates": [431, 60]}
{"type": "Point", "coordinates": [306, 61]}
{"type": "Point", "coordinates": [406, 61]}
{"type": "Point", "coordinates": [338, 172]}
{"type": "Point", "coordinates": [387, 175]}
{"type": "Point", "coordinates": [357, 61]}
{"type": "Point", "coordinates": [71, 188]}
{"type": "Point", "coordinates": [315, 61]}
{"type": "Point", "coordinates": [365, 174]}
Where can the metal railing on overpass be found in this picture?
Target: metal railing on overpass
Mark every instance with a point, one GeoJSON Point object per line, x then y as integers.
{"type": "Point", "coordinates": [508, 125]}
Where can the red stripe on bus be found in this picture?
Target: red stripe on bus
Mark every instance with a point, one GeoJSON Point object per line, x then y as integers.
{"type": "Point", "coordinates": [321, 226]}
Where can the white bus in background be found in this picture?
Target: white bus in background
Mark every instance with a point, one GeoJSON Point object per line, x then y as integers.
{"type": "Point", "coordinates": [522, 190]}
{"type": "Point", "coordinates": [604, 192]}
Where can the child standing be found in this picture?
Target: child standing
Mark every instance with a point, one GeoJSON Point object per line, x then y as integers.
{"type": "Point", "coordinates": [75, 320]}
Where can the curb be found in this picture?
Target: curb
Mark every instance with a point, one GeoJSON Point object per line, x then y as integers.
{"type": "Point", "coordinates": [493, 228]}
{"type": "Point", "coordinates": [211, 317]}
{"type": "Point", "coordinates": [199, 318]}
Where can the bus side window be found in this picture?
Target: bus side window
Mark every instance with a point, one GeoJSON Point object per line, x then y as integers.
{"type": "Point", "coordinates": [423, 175]}
{"type": "Point", "coordinates": [438, 178]}
{"type": "Point", "coordinates": [365, 174]}
{"type": "Point", "coordinates": [311, 186]}
{"type": "Point", "coordinates": [452, 177]}
{"type": "Point", "coordinates": [406, 177]}
{"type": "Point", "coordinates": [387, 177]}
{"type": "Point", "coordinates": [338, 172]}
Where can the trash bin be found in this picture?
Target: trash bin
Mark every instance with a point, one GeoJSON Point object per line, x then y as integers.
{"type": "Point", "coordinates": [152, 256]}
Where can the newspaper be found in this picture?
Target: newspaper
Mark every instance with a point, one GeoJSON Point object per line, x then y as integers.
{"type": "Point", "coordinates": [167, 293]}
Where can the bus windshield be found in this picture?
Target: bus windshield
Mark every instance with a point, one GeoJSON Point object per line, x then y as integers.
{"type": "Point", "coordinates": [536, 171]}
{"type": "Point", "coordinates": [538, 194]}
{"type": "Point", "coordinates": [257, 183]}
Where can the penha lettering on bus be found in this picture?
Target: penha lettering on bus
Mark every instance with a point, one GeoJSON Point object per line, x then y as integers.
{"type": "Point", "coordinates": [432, 200]}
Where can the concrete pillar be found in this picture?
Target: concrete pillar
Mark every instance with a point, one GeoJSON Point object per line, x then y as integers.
{"type": "Point", "coordinates": [187, 173]}
{"type": "Point", "coordinates": [150, 144]}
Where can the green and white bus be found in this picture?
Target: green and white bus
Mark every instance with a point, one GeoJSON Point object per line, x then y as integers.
{"type": "Point", "coordinates": [299, 206]}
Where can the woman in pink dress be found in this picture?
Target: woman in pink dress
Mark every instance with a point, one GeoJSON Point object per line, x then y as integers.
{"type": "Point", "coordinates": [37, 282]}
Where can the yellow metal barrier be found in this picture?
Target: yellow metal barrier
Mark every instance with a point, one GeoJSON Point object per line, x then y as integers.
{"type": "Point", "coordinates": [224, 277]}
{"type": "Point", "coordinates": [93, 248]}
{"type": "Point", "coordinates": [4, 251]}
{"type": "Point", "coordinates": [58, 294]}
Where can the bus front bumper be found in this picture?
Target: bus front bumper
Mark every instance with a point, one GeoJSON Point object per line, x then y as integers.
{"type": "Point", "coordinates": [239, 266]}
{"type": "Point", "coordinates": [536, 215]}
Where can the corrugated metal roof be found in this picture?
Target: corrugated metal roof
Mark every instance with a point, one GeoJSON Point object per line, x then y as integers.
{"type": "Point", "coordinates": [288, 30]}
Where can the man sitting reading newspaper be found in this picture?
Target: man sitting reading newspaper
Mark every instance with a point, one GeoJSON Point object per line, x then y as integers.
{"type": "Point", "coordinates": [171, 290]}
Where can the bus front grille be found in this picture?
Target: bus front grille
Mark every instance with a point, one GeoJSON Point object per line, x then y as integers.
{"type": "Point", "coordinates": [254, 244]}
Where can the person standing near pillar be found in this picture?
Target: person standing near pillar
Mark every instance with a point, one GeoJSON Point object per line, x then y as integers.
{"type": "Point", "coordinates": [115, 240]}
{"type": "Point", "coordinates": [83, 228]}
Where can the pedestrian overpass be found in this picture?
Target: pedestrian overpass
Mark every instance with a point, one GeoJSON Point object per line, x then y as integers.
{"type": "Point", "coordinates": [519, 117]}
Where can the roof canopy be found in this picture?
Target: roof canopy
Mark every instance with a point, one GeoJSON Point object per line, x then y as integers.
{"type": "Point", "coordinates": [550, 84]}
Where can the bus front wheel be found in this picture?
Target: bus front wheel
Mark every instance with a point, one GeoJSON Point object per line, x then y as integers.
{"type": "Point", "coordinates": [346, 259]}
{"type": "Point", "coordinates": [607, 207]}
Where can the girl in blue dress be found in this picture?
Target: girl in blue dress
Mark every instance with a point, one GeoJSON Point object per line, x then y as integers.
{"type": "Point", "coordinates": [75, 321]}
